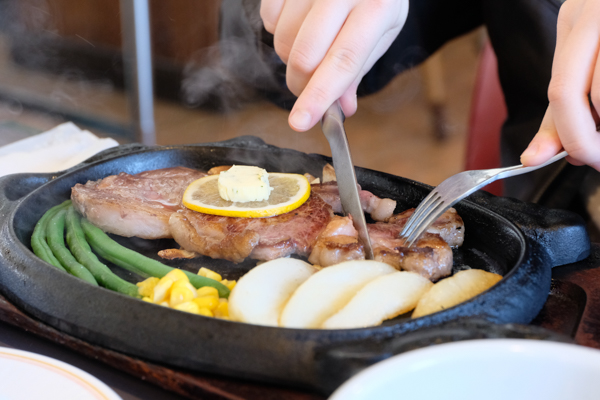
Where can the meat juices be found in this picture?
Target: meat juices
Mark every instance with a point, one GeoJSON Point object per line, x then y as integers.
{"type": "Point", "coordinates": [134, 205]}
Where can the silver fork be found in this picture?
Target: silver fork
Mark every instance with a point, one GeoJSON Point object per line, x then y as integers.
{"type": "Point", "coordinates": [456, 188]}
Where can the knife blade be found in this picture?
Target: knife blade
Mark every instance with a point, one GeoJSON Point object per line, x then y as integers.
{"type": "Point", "coordinates": [332, 124]}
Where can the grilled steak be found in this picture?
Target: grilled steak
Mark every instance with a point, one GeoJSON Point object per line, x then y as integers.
{"type": "Point", "coordinates": [379, 209]}
{"type": "Point", "coordinates": [338, 242]}
{"type": "Point", "coordinates": [135, 205]}
{"type": "Point", "coordinates": [234, 239]}
{"type": "Point", "coordinates": [148, 205]}
{"type": "Point", "coordinates": [449, 225]}
{"type": "Point", "coordinates": [431, 256]}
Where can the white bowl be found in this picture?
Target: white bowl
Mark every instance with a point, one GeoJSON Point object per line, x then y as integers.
{"type": "Point", "coordinates": [504, 369]}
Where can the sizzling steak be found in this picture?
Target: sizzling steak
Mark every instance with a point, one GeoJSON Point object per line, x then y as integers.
{"type": "Point", "coordinates": [134, 205]}
{"type": "Point", "coordinates": [379, 209]}
{"type": "Point", "coordinates": [148, 205]}
{"type": "Point", "coordinates": [234, 239]}
{"type": "Point", "coordinates": [431, 256]}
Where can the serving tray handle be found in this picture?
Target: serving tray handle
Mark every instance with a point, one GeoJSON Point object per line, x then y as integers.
{"type": "Point", "coordinates": [561, 233]}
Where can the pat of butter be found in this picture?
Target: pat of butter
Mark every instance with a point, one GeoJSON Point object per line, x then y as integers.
{"type": "Point", "coordinates": [242, 184]}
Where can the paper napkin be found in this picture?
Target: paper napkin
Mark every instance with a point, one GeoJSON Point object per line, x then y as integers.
{"type": "Point", "coordinates": [55, 150]}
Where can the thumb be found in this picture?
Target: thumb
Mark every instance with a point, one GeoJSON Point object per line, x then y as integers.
{"type": "Point", "coordinates": [545, 144]}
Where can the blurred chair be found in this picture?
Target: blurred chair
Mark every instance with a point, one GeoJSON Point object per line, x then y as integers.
{"type": "Point", "coordinates": [488, 112]}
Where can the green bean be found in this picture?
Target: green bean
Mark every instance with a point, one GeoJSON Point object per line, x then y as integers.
{"type": "Point", "coordinates": [83, 253]}
{"type": "Point", "coordinates": [38, 237]}
{"type": "Point", "coordinates": [136, 262]}
{"type": "Point", "coordinates": [55, 232]}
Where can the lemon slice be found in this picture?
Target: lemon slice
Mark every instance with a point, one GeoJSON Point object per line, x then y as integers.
{"type": "Point", "coordinates": [290, 191]}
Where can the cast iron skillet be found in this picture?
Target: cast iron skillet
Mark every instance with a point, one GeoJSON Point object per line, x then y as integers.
{"type": "Point", "coordinates": [285, 356]}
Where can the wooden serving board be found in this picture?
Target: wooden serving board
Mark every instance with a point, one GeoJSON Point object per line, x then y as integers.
{"type": "Point", "coordinates": [188, 384]}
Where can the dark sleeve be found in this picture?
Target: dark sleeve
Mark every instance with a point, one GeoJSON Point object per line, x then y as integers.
{"type": "Point", "coordinates": [429, 25]}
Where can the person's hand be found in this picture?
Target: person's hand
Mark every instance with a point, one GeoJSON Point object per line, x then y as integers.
{"type": "Point", "coordinates": [328, 46]}
{"type": "Point", "coordinates": [571, 121]}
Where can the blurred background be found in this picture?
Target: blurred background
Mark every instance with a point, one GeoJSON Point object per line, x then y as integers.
{"type": "Point", "coordinates": [62, 60]}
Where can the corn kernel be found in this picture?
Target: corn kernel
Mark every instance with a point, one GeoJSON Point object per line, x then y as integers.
{"type": "Point", "coordinates": [207, 291]}
{"type": "Point", "coordinates": [176, 274]}
{"type": "Point", "coordinates": [222, 310]}
{"type": "Point", "coordinates": [146, 287]}
{"type": "Point", "coordinates": [209, 274]}
{"type": "Point", "coordinates": [164, 304]}
{"type": "Point", "coordinates": [188, 306]}
{"type": "Point", "coordinates": [147, 299]}
{"type": "Point", "coordinates": [185, 284]}
{"type": "Point", "coordinates": [209, 302]}
{"type": "Point", "coordinates": [205, 311]}
{"type": "Point", "coordinates": [162, 290]}
{"type": "Point", "coordinates": [181, 292]}
{"type": "Point", "coordinates": [230, 284]}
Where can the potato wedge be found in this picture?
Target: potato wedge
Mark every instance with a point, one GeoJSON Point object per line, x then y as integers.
{"type": "Point", "coordinates": [454, 290]}
{"type": "Point", "coordinates": [327, 291]}
{"type": "Point", "coordinates": [260, 295]}
{"type": "Point", "coordinates": [385, 297]}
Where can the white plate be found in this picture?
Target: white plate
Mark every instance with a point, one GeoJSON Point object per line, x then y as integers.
{"type": "Point", "coordinates": [27, 376]}
{"type": "Point", "coordinates": [482, 369]}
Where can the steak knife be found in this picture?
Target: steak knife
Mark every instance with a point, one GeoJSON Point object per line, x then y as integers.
{"type": "Point", "coordinates": [332, 124]}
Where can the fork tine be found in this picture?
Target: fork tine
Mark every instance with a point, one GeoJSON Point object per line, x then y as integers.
{"type": "Point", "coordinates": [426, 203]}
{"type": "Point", "coordinates": [425, 222]}
{"type": "Point", "coordinates": [454, 189]}
{"type": "Point", "coordinates": [425, 219]}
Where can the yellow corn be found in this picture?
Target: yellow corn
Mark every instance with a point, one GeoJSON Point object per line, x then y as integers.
{"type": "Point", "coordinates": [162, 290]}
{"type": "Point", "coordinates": [181, 292]}
{"type": "Point", "coordinates": [207, 291]}
{"type": "Point", "coordinates": [188, 306]}
{"type": "Point", "coordinates": [176, 275]}
{"type": "Point", "coordinates": [175, 290]}
{"type": "Point", "coordinates": [205, 311]}
{"type": "Point", "coordinates": [146, 287]}
{"type": "Point", "coordinates": [222, 310]}
{"type": "Point", "coordinates": [209, 274]}
{"type": "Point", "coordinates": [230, 284]}
{"type": "Point", "coordinates": [209, 302]}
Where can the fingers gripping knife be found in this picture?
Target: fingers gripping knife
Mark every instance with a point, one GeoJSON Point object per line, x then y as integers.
{"type": "Point", "coordinates": [333, 128]}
